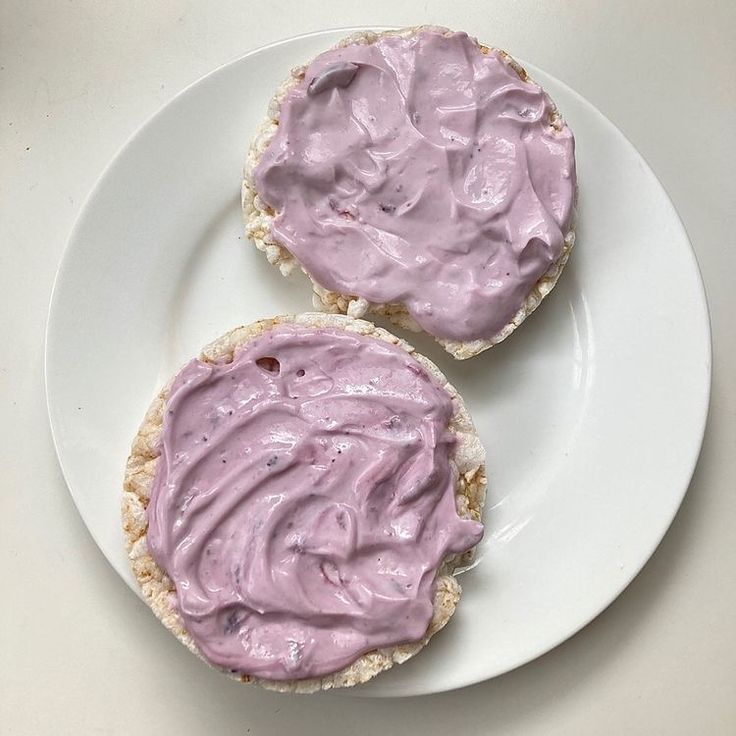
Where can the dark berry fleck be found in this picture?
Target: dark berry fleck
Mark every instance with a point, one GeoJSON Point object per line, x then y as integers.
{"type": "Point", "coordinates": [232, 623]}
{"type": "Point", "coordinates": [269, 364]}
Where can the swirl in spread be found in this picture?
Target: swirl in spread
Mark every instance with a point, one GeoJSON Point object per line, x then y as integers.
{"type": "Point", "coordinates": [304, 500]}
{"type": "Point", "coordinates": [420, 170]}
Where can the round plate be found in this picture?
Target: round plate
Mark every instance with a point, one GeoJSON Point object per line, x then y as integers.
{"type": "Point", "coordinates": [592, 413]}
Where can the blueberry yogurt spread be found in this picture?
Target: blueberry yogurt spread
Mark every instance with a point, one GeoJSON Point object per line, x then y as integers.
{"type": "Point", "coordinates": [304, 500]}
{"type": "Point", "coordinates": [425, 171]}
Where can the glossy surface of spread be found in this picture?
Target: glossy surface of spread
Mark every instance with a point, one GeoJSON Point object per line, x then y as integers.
{"type": "Point", "coordinates": [303, 501]}
{"type": "Point", "coordinates": [422, 171]}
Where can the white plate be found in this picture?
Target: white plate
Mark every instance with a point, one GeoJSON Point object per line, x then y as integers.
{"type": "Point", "coordinates": [592, 414]}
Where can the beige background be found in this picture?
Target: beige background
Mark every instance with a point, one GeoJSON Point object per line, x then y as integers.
{"type": "Point", "coordinates": [79, 653]}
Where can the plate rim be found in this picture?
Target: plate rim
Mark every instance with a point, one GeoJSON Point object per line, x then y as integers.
{"type": "Point", "coordinates": [703, 315]}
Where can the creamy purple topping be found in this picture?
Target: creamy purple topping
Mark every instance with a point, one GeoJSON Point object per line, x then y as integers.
{"type": "Point", "coordinates": [420, 170]}
{"type": "Point", "coordinates": [304, 500]}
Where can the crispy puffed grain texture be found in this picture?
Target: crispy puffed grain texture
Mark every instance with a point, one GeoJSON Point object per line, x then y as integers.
{"type": "Point", "coordinates": [468, 458]}
{"type": "Point", "coordinates": [259, 218]}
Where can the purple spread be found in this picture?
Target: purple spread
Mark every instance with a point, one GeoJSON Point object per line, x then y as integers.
{"type": "Point", "coordinates": [304, 500]}
{"type": "Point", "coordinates": [420, 170]}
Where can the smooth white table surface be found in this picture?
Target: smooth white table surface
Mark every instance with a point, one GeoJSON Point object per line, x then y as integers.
{"type": "Point", "coordinates": [79, 652]}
